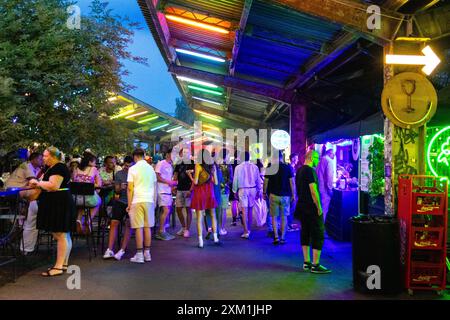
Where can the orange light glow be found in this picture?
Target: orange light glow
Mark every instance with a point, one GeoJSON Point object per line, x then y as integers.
{"type": "Point", "coordinates": [197, 24]}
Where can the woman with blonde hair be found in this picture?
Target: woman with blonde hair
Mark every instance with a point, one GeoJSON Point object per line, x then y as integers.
{"type": "Point", "coordinates": [56, 213]}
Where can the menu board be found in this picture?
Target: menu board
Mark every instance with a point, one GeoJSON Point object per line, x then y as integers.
{"type": "Point", "coordinates": [365, 173]}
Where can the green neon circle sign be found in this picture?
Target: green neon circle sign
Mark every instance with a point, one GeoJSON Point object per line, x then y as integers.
{"type": "Point", "coordinates": [442, 155]}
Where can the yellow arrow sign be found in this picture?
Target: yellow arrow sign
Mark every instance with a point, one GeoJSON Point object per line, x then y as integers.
{"type": "Point", "coordinates": [429, 59]}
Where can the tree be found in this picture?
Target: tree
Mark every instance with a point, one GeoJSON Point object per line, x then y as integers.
{"type": "Point", "coordinates": [183, 112]}
{"type": "Point", "coordinates": [55, 81]}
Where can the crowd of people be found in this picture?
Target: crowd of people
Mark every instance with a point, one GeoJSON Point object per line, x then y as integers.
{"type": "Point", "coordinates": [141, 193]}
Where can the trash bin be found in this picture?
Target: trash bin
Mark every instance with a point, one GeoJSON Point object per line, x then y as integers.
{"type": "Point", "coordinates": [376, 254]}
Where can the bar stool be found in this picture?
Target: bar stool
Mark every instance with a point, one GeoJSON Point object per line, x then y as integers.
{"type": "Point", "coordinates": [9, 229]}
{"type": "Point", "coordinates": [83, 189]}
{"type": "Point", "coordinates": [103, 218]}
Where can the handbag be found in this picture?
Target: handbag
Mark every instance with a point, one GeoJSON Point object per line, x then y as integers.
{"type": "Point", "coordinates": [260, 210]}
{"type": "Point", "coordinates": [203, 177]}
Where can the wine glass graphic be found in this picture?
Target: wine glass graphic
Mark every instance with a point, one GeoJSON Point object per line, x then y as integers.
{"type": "Point", "coordinates": [409, 87]}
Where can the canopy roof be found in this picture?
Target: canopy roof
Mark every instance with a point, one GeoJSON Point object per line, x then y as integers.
{"type": "Point", "coordinates": [148, 122]}
{"type": "Point", "coordinates": [247, 61]}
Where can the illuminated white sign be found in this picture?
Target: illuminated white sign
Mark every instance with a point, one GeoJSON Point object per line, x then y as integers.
{"type": "Point", "coordinates": [280, 139]}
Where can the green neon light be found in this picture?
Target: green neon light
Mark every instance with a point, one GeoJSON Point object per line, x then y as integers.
{"type": "Point", "coordinates": [205, 90]}
{"type": "Point", "coordinates": [443, 155]}
{"type": "Point", "coordinates": [445, 152]}
{"type": "Point", "coordinates": [160, 127]}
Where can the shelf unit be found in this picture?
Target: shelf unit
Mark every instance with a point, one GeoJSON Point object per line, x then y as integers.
{"type": "Point", "coordinates": [422, 213]}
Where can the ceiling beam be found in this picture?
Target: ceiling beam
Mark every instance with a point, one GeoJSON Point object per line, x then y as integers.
{"type": "Point", "coordinates": [320, 61]}
{"type": "Point", "coordinates": [229, 116]}
{"type": "Point", "coordinates": [352, 14]}
{"type": "Point", "coordinates": [434, 23]}
{"type": "Point", "coordinates": [237, 45]}
{"type": "Point", "coordinates": [264, 90]}
{"type": "Point", "coordinates": [394, 5]}
{"type": "Point", "coordinates": [228, 99]}
{"type": "Point", "coordinates": [239, 35]}
{"type": "Point", "coordinates": [272, 108]}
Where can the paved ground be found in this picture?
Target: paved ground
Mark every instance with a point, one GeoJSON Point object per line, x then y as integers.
{"type": "Point", "coordinates": [239, 269]}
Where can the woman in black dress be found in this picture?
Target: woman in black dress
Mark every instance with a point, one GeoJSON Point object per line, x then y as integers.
{"type": "Point", "coordinates": [56, 213]}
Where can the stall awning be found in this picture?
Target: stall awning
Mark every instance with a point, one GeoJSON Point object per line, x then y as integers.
{"type": "Point", "coordinates": [370, 125]}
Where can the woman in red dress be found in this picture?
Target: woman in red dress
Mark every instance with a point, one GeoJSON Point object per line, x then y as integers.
{"type": "Point", "coordinates": [202, 192]}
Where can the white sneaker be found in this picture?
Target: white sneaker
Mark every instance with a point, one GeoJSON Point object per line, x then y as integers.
{"type": "Point", "coordinates": [108, 254]}
{"type": "Point", "coordinates": [147, 257]}
{"type": "Point", "coordinates": [138, 258]}
{"type": "Point", "coordinates": [223, 232]}
{"type": "Point", "coordinates": [118, 256]}
{"type": "Point", "coordinates": [245, 235]}
{"type": "Point", "coordinates": [180, 232]}
{"type": "Point", "coordinates": [186, 234]}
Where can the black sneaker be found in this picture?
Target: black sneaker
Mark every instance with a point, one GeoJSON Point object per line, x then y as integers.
{"type": "Point", "coordinates": [307, 266]}
{"type": "Point", "coordinates": [276, 241]}
{"type": "Point", "coordinates": [319, 269]}
{"type": "Point", "coordinates": [234, 222]}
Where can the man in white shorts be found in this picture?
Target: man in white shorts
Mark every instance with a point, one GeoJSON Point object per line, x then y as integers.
{"type": "Point", "coordinates": [141, 204]}
{"type": "Point", "coordinates": [247, 185]}
{"type": "Point", "coordinates": [164, 174]}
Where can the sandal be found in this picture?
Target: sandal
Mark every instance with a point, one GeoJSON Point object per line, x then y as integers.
{"type": "Point", "coordinates": [65, 266]}
{"type": "Point", "coordinates": [48, 274]}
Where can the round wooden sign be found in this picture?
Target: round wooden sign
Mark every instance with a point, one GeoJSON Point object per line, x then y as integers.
{"type": "Point", "coordinates": [409, 100]}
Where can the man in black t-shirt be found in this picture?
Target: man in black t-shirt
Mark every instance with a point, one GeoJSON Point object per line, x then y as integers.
{"type": "Point", "coordinates": [281, 191]}
{"type": "Point", "coordinates": [183, 199]}
{"type": "Point", "coordinates": [311, 215]}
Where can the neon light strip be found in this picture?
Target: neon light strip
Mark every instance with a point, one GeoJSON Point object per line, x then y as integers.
{"type": "Point", "coordinates": [206, 100]}
{"type": "Point", "coordinates": [122, 114]}
{"type": "Point", "coordinates": [207, 126]}
{"type": "Point", "coordinates": [211, 118]}
{"type": "Point", "coordinates": [136, 114]}
{"type": "Point", "coordinates": [202, 83]}
{"type": "Point", "coordinates": [206, 114]}
{"type": "Point", "coordinates": [205, 90]}
{"type": "Point", "coordinates": [148, 119]}
{"type": "Point", "coordinates": [200, 55]}
{"type": "Point", "coordinates": [197, 24]}
{"type": "Point", "coordinates": [173, 129]}
{"type": "Point", "coordinates": [160, 127]}
{"type": "Point", "coordinates": [213, 134]}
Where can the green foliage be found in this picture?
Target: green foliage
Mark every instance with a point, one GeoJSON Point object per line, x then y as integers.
{"type": "Point", "coordinates": [183, 112]}
{"type": "Point", "coordinates": [55, 81]}
{"type": "Point", "coordinates": [376, 165]}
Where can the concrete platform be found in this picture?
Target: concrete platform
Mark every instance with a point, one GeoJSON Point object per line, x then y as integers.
{"type": "Point", "coordinates": [238, 269]}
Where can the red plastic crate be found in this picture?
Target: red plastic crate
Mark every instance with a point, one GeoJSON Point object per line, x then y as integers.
{"type": "Point", "coordinates": [426, 274]}
{"type": "Point", "coordinates": [428, 203]}
{"type": "Point", "coordinates": [427, 238]}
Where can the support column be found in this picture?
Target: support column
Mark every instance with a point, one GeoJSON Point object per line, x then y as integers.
{"type": "Point", "coordinates": [388, 145]}
{"type": "Point", "coordinates": [404, 149]}
{"type": "Point", "coordinates": [298, 130]}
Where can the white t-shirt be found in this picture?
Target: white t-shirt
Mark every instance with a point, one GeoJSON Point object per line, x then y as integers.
{"type": "Point", "coordinates": [144, 180]}
{"type": "Point", "coordinates": [165, 169]}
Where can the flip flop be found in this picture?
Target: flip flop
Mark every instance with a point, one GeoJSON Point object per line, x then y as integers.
{"type": "Point", "coordinates": [48, 274]}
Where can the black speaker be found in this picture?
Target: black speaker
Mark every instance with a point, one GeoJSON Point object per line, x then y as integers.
{"type": "Point", "coordinates": [376, 248]}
